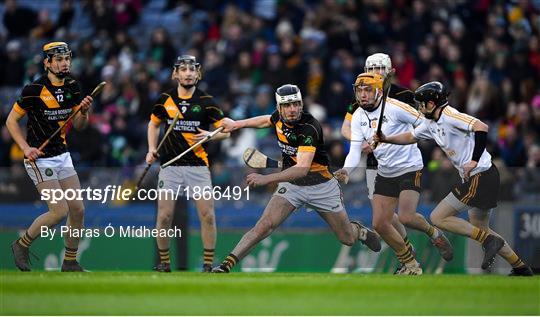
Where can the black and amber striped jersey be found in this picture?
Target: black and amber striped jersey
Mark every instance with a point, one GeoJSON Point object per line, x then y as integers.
{"type": "Point", "coordinates": [196, 111]}
{"type": "Point", "coordinates": [304, 136]}
{"type": "Point", "coordinates": [47, 107]}
{"type": "Point", "coordinates": [396, 92]}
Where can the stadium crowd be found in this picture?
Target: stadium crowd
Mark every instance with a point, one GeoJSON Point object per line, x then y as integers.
{"type": "Point", "coordinates": [487, 52]}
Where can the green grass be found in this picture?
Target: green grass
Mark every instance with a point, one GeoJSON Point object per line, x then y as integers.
{"type": "Point", "coordinates": [112, 293]}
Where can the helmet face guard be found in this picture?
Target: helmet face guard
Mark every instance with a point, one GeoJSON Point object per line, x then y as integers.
{"type": "Point", "coordinates": [188, 62]}
{"type": "Point", "coordinates": [54, 49]}
{"type": "Point", "coordinates": [373, 80]}
{"type": "Point", "coordinates": [289, 95]}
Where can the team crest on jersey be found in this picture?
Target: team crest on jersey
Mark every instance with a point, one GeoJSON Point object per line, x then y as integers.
{"type": "Point", "coordinates": [160, 184]}
{"type": "Point", "coordinates": [196, 109]}
{"type": "Point", "coordinates": [48, 172]}
{"type": "Point", "coordinates": [308, 140]}
{"type": "Point", "coordinates": [282, 190]}
{"type": "Point", "coordinates": [373, 124]}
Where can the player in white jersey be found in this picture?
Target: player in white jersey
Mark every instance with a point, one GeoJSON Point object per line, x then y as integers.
{"type": "Point", "coordinates": [399, 169]}
{"type": "Point", "coordinates": [381, 64]}
{"type": "Point", "coordinates": [463, 139]}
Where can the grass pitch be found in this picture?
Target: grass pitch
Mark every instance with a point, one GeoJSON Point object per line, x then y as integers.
{"type": "Point", "coordinates": [145, 293]}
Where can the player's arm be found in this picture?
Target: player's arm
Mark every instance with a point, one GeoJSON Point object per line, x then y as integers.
{"type": "Point", "coordinates": [219, 136]}
{"type": "Point", "coordinates": [480, 139]}
{"type": "Point", "coordinates": [159, 114]}
{"type": "Point", "coordinates": [346, 129]}
{"type": "Point", "coordinates": [480, 130]}
{"type": "Point", "coordinates": [215, 115]}
{"type": "Point", "coordinates": [346, 126]}
{"type": "Point", "coordinates": [401, 139]}
{"type": "Point", "coordinates": [81, 119]}
{"type": "Point", "coordinates": [12, 124]}
{"type": "Point", "coordinates": [354, 158]}
{"type": "Point", "coordinates": [153, 135]}
{"type": "Point", "coordinates": [203, 133]}
{"type": "Point", "coordinates": [301, 169]}
{"type": "Point", "coordinates": [259, 122]}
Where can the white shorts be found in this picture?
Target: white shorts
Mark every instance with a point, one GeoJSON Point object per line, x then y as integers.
{"type": "Point", "coordinates": [50, 168]}
{"type": "Point", "coordinates": [173, 177]}
{"type": "Point", "coordinates": [324, 197]}
{"type": "Point", "coordinates": [370, 181]}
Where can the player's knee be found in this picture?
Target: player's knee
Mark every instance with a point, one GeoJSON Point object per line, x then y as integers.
{"type": "Point", "coordinates": [208, 217]}
{"type": "Point", "coordinates": [436, 219]}
{"type": "Point", "coordinates": [77, 212]}
{"type": "Point", "coordinates": [406, 218]}
{"type": "Point", "coordinates": [164, 219]}
{"type": "Point", "coordinates": [58, 212]}
{"type": "Point", "coordinates": [380, 226]}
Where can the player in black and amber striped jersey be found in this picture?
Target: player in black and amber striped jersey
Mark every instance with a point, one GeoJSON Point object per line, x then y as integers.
{"type": "Point", "coordinates": [48, 102]}
{"type": "Point", "coordinates": [305, 135]}
{"type": "Point", "coordinates": [304, 180]}
{"type": "Point", "coordinates": [197, 112]}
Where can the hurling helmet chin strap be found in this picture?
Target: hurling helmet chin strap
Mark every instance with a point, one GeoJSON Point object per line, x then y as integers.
{"type": "Point", "coordinates": [58, 74]}
{"type": "Point", "coordinates": [188, 86]}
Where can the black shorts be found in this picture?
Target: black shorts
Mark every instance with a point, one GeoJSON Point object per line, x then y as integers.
{"type": "Point", "coordinates": [393, 186]}
{"type": "Point", "coordinates": [481, 190]}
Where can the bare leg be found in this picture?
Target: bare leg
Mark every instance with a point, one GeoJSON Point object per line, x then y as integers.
{"type": "Point", "coordinates": [480, 219]}
{"type": "Point", "coordinates": [57, 211]}
{"type": "Point", "coordinates": [399, 226]}
{"type": "Point", "coordinates": [408, 203]}
{"type": "Point", "coordinates": [277, 210]}
{"type": "Point", "coordinates": [205, 210]}
{"type": "Point", "coordinates": [75, 218]}
{"type": "Point", "coordinates": [164, 220]}
{"type": "Point", "coordinates": [346, 232]}
{"type": "Point", "coordinates": [383, 210]}
{"type": "Point", "coordinates": [444, 217]}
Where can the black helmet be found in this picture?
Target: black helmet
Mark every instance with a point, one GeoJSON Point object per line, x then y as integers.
{"type": "Point", "coordinates": [56, 48]}
{"type": "Point", "coordinates": [189, 60]}
{"type": "Point", "coordinates": [432, 91]}
{"type": "Point", "coordinates": [186, 60]}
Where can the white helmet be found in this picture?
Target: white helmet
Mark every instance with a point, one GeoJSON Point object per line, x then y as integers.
{"type": "Point", "coordinates": [287, 94]}
{"type": "Point", "coordinates": [380, 61]}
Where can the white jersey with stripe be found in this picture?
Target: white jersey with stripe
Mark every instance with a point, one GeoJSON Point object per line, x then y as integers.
{"type": "Point", "coordinates": [454, 134]}
{"type": "Point", "coordinates": [394, 160]}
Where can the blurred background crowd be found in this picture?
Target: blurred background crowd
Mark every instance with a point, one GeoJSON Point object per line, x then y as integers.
{"type": "Point", "coordinates": [487, 52]}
